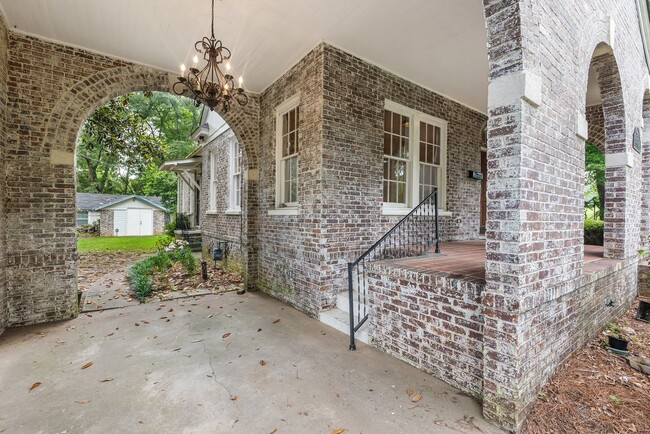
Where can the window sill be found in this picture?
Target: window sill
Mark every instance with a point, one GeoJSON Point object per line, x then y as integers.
{"type": "Point", "coordinates": [284, 211]}
{"type": "Point", "coordinates": [232, 212]}
{"type": "Point", "coordinates": [212, 212]}
{"type": "Point", "coordinates": [404, 211]}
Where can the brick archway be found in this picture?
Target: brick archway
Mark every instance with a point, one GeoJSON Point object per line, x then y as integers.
{"type": "Point", "coordinates": [78, 102]}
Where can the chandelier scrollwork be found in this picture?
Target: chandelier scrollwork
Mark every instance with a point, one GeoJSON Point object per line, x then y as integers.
{"type": "Point", "coordinates": [210, 85]}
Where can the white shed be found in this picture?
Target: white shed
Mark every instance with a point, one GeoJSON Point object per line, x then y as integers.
{"type": "Point", "coordinates": [132, 216]}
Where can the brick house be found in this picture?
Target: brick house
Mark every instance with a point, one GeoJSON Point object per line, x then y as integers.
{"type": "Point", "coordinates": [337, 149]}
{"type": "Point", "coordinates": [209, 187]}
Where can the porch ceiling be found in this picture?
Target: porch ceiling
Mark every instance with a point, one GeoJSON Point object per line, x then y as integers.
{"type": "Point", "coordinates": [439, 44]}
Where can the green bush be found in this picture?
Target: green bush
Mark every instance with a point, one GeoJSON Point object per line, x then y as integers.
{"type": "Point", "coordinates": [170, 227]}
{"type": "Point", "coordinates": [140, 273]}
{"type": "Point", "coordinates": [185, 257]}
{"type": "Point", "coordinates": [594, 232]}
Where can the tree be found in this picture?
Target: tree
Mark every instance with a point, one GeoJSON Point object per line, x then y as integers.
{"type": "Point", "coordinates": [115, 143]}
{"type": "Point", "coordinates": [125, 140]}
{"type": "Point", "coordinates": [595, 174]}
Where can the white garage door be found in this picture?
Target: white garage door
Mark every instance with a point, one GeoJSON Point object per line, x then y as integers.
{"type": "Point", "coordinates": [139, 221]}
{"type": "Point", "coordinates": [119, 222]}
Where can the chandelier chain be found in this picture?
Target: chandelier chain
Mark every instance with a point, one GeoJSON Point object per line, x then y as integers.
{"type": "Point", "coordinates": [212, 19]}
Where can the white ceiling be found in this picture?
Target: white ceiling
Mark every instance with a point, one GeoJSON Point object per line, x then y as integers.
{"type": "Point", "coordinates": [439, 44]}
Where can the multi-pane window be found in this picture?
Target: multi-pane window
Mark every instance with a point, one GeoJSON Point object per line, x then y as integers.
{"type": "Point", "coordinates": [429, 159]}
{"type": "Point", "coordinates": [235, 176]}
{"type": "Point", "coordinates": [414, 157]}
{"type": "Point", "coordinates": [288, 147]}
{"type": "Point", "coordinates": [396, 156]}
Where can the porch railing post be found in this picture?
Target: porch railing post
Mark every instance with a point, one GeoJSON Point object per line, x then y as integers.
{"type": "Point", "coordinates": [351, 299]}
{"type": "Point", "coordinates": [437, 232]}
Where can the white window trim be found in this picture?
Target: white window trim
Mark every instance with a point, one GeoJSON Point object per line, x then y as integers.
{"type": "Point", "coordinates": [280, 110]}
{"type": "Point", "coordinates": [413, 168]}
{"type": "Point", "coordinates": [212, 189]}
{"type": "Point", "coordinates": [284, 211]}
{"type": "Point", "coordinates": [234, 208]}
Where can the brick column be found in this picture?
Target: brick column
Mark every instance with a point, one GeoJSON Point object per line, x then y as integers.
{"type": "Point", "coordinates": [645, 198]}
{"type": "Point", "coordinates": [504, 265]}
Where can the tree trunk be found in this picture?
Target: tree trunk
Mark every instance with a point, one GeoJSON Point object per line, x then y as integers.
{"type": "Point", "coordinates": [92, 170]}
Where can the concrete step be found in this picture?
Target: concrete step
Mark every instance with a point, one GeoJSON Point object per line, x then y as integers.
{"type": "Point", "coordinates": [340, 320]}
{"type": "Point", "coordinates": [343, 302]}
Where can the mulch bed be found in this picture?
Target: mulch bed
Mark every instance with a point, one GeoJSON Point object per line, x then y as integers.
{"type": "Point", "coordinates": [176, 279]}
{"type": "Point", "coordinates": [596, 391]}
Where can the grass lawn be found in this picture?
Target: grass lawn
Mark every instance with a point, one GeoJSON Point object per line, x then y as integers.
{"type": "Point", "coordinates": [116, 244]}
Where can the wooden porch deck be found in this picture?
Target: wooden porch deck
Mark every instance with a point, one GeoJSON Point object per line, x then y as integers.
{"type": "Point", "coordinates": [466, 260]}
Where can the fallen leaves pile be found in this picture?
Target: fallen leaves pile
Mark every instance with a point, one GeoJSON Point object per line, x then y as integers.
{"type": "Point", "coordinates": [91, 266]}
{"type": "Point", "coordinates": [177, 279]}
{"type": "Point", "coordinates": [596, 391]}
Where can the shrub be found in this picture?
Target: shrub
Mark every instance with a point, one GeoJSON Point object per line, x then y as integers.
{"type": "Point", "coordinates": [594, 232]}
{"type": "Point", "coordinates": [170, 227]}
{"type": "Point", "coordinates": [140, 277]}
{"type": "Point", "coordinates": [185, 257]}
{"type": "Point", "coordinates": [140, 273]}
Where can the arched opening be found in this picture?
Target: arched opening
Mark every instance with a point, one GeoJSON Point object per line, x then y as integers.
{"type": "Point", "coordinates": [605, 117]}
{"type": "Point", "coordinates": [63, 126]}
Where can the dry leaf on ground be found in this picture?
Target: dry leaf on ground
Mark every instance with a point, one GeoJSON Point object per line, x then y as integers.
{"type": "Point", "coordinates": [416, 398]}
{"type": "Point", "coordinates": [262, 362]}
{"type": "Point", "coordinates": [106, 380]}
{"type": "Point", "coordinates": [83, 401]}
{"type": "Point", "coordinates": [35, 385]}
{"type": "Point", "coordinates": [225, 335]}
{"type": "Point", "coordinates": [276, 321]}
{"type": "Point", "coordinates": [338, 431]}
{"type": "Point", "coordinates": [233, 397]}
{"type": "Point", "coordinates": [87, 365]}
{"type": "Point", "coordinates": [409, 391]}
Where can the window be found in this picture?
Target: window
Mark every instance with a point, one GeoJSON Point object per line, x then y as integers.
{"type": "Point", "coordinates": [212, 191]}
{"type": "Point", "coordinates": [235, 176]}
{"type": "Point", "coordinates": [287, 149]}
{"type": "Point", "coordinates": [82, 218]}
{"type": "Point", "coordinates": [415, 153]}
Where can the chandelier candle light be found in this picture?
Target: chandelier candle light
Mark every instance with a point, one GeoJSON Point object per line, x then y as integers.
{"type": "Point", "coordinates": [210, 86]}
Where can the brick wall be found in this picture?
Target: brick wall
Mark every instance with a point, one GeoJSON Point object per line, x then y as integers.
{"type": "Point", "coordinates": [158, 222]}
{"type": "Point", "coordinates": [430, 320]}
{"type": "Point", "coordinates": [52, 88]}
{"type": "Point", "coordinates": [289, 252]}
{"type": "Point", "coordinates": [353, 122]}
{"type": "Point", "coordinates": [218, 224]}
{"type": "Point", "coordinates": [106, 223]}
{"type": "Point", "coordinates": [4, 313]}
{"type": "Point", "coordinates": [535, 295]}
{"type": "Point", "coordinates": [596, 122]}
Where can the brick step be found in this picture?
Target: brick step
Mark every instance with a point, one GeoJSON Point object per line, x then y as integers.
{"type": "Point", "coordinates": [340, 320]}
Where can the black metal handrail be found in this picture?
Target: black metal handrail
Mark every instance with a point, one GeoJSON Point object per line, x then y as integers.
{"type": "Point", "coordinates": [413, 235]}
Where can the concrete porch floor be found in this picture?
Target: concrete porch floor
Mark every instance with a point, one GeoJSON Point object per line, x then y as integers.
{"type": "Point", "coordinates": [173, 371]}
{"type": "Point", "coordinates": [466, 259]}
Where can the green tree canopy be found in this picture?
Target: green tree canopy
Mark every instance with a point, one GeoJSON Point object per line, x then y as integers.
{"type": "Point", "coordinates": [124, 141]}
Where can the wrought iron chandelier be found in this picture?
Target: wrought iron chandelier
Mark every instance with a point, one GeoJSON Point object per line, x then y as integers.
{"type": "Point", "coordinates": [210, 85]}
